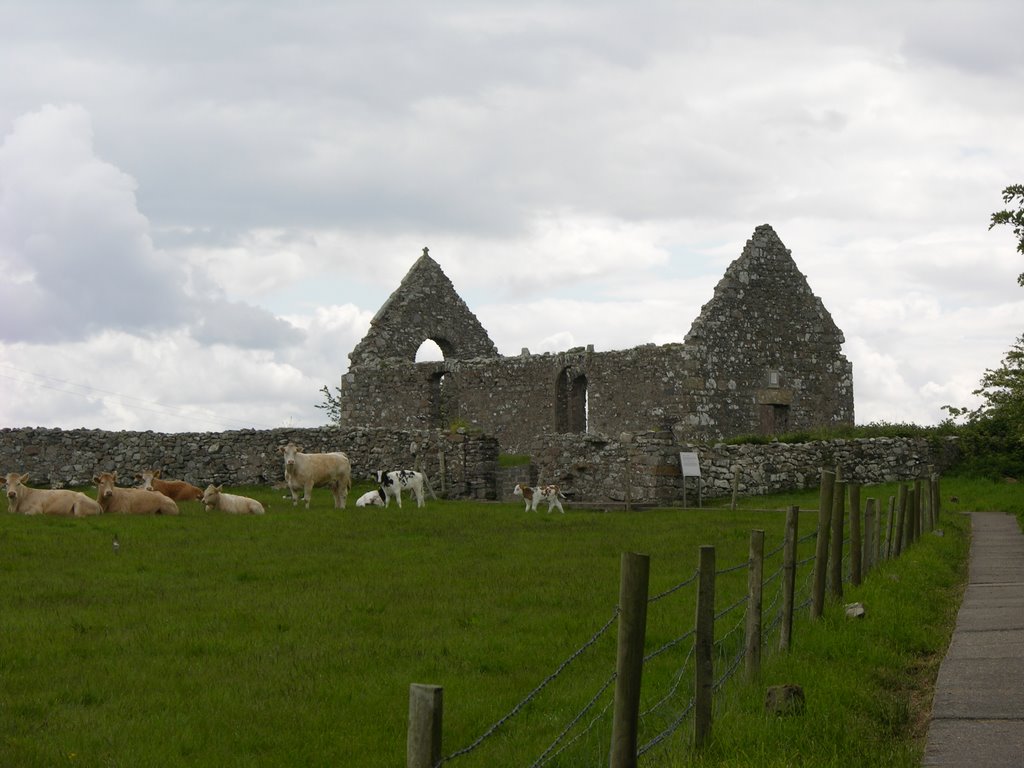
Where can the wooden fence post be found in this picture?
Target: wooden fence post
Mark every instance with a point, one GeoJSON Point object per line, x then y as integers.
{"type": "Point", "coordinates": [936, 498]}
{"type": "Point", "coordinates": [911, 518]}
{"type": "Point", "coordinates": [901, 512]}
{"type": "Point", "coordinates": [836, 555]}
{"type": "Point", "coordinates": [856, 546]}
{"type": "Point", "coordinates": [704, 645]}
{"type": "Point", "coordinates": [890, 522]}
{"type": "Point", "coordinates": [828, 482]}
{"type": "Point", "coordinates": [633, 589]}
{"type": "Point", "coordinates": [735, 483]}
{"type": "Point", "coordinates": [423, 744]}
{"type": "Point", "coordinates": [789, 554]}
{"type": "Point", "coordinates": [755, 587]}
{"type": "Point", "coordinates": [870, 536]}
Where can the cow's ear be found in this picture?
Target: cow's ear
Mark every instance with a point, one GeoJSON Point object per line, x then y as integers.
{"type": "Point", "coordinates": [156, 473]}
{"type": "Point", "coordinates": [95, 480]}
{"type": "Point", "coordinates": [280, 449]}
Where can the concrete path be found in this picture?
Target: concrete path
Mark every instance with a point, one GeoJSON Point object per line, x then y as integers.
{"type": "Point", "coordinates": [978, 712]}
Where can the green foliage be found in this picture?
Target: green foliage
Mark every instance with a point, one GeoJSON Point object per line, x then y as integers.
{"type": "Point", "coordinates": [873, 429]}
{"type": "Point", "coordinates": [331, 403]}
{"type": "Point", "coordinates": [513, 459]}
{"type": "Point", "coordinates": [1012, 195]}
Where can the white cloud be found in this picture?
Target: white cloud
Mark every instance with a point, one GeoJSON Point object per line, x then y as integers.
{"type": "Point", "coordinates": [236, 189]}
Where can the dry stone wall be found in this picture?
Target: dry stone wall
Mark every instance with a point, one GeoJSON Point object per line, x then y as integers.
{"type": "Point", "coordinates": [642, 468]}
{"type": "Point", "coordinates": [457, 465]}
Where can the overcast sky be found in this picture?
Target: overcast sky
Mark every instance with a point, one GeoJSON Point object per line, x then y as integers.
{"type": "Point", "coordinates": [202, 204]}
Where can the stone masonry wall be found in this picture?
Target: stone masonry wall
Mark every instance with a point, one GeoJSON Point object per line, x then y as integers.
{"type": "Point", "coordinates": [643, 467]}
{"type": "Point", "coordinates": [457, 465]}
{"type": "Point", "coordinates": [763, 357]}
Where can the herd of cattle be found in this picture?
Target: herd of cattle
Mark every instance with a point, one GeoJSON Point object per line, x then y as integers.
{"type": "Point", "coordinates": [302, 472]}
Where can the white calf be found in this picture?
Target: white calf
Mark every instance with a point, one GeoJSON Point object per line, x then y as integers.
{"type": "Point", "coordinates": [533, 496]}
{"type": "Point", "coordinates": [393, 483]}
{"type": "Point", "coordinates": [371, 499]}
{"type": "Point", "coordinates": [215, 498]}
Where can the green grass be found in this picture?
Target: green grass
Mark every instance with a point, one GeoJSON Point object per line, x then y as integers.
{"type": "Point", "coordinates": [292, 639]}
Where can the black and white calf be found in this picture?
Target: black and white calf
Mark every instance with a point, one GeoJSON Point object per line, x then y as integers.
{"type": "Point", "coordinates": [393, 483]}
{"type": "Point", "coordinates": [533, 496]}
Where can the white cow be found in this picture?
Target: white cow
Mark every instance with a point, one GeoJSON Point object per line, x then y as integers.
{"type": "Point", "coordinates": [371, 499]}
{"type": "Point", "coordinates": [215, 498]}
{"type": "Point", "coordinates": [23, 500]}
{"type": "Point", "coordinates": [393, 483]}
{"type": "Point", "coordinates": [306, 470]}
{"type": "Point", "coordinates": [533, 496]}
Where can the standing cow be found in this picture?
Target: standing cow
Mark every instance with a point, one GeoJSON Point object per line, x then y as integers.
{"type": "Point", "coordinates": [394, 482]}
{"type": "Point", "coordinates": [23, 500]}
{"type": "Point", "coordinates": [306, 470]}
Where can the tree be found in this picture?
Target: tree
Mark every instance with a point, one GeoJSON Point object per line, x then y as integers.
{"type": "Point", "coordinates": [993, 434]}
{"type": "Point", "coordinates": [1014, 194]}
{"type": "Point", "coordinates": [331, 404]}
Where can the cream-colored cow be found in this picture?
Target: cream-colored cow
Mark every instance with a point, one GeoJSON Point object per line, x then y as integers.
{"type": "Point", "coordinates": [306, 470]}
{"type": "Point", "coordinates": [23, 500]}
{"type": "Point", "coordinates": [215, 498]}
{"type": "Point", "coordinates": [130, 501]}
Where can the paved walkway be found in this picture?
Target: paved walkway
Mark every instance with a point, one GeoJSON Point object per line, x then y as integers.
{"type": "Point", "coordinates": [978, 712]}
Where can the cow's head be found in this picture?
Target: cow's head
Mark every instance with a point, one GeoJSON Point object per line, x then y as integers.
{"type": "Point", "coordinates": [289, 451]}
{"type": "Point", "coordinates": [13, 485]}
{"type": "Point", "coordinates": [105, 483]}
{"type": "Point", "coordinates": [147, 478]}
{"type": "Point", "coordinates": [211, 494]}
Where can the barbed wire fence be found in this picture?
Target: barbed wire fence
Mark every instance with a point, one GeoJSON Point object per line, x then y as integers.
{"type": "Point", "coordinates": [670, 697]}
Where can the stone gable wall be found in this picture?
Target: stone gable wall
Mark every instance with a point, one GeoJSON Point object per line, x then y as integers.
{"type": "Point", "coordinates": [763, 357]}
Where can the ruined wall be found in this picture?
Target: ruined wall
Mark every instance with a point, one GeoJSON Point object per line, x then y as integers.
{"type": "Point", "coordinates": [458, 465]}
{"type": "Point", "coordinates": [763, 357]}
{"type": "Point", "coordinates": [593, 470]}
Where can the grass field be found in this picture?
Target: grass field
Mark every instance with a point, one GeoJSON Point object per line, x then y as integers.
{"type": "Point", "coordinates": [291, 639]}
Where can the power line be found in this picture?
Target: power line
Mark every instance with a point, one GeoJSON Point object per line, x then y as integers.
{"type": "Point", "coordinates": [137, 403]}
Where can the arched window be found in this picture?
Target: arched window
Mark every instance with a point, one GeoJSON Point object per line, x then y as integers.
{"type": "Point", "coordinates": [429, 351]}
{"type": "Point", "coordinates": [571, 404]}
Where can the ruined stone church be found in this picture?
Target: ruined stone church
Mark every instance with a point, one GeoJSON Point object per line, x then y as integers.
{"type": "Point", "coordinates": [762, 357]}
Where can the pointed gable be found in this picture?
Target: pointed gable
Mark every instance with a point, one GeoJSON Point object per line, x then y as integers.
{"type": "Point", "coordinates": [424, 306]}
{"type": "Point", "coordinates": [764, 301]}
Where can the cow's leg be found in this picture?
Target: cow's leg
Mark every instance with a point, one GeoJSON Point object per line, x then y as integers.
{"type": "Point", "coordinates": [307, 493]}
{"type": "Point", "coordinates": [419, 496]}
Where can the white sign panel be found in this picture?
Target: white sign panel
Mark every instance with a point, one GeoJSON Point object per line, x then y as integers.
{"type": "Point", "coordinates": [690, 464]}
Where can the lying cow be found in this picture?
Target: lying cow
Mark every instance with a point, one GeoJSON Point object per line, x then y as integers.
{"type": "Point", "coordinates": [371, 499]}
{"type": "Point", "coordinates": [215, 499]}
{"type": "Point", "coordinates": [533, 496]}
{"type": "Point", "coordinates": [306, 470]}
{"type": "Point", "coordinates": [23, 500]}
{"type": "Point", "coordinates": [178, 490]}
{"type": "Point", "coordinates": [130, 501]}
{"type": "Point", "coordinates": [393, 483]}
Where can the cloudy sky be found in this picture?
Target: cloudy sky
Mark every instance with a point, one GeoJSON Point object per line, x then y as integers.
{"type": "Point", "coordinates": [202, 204]}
